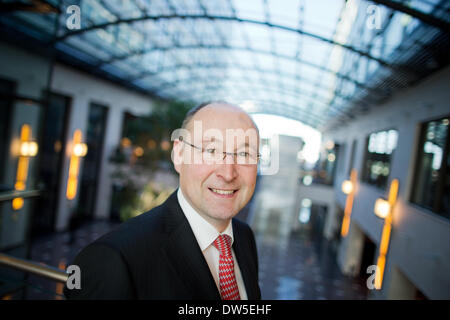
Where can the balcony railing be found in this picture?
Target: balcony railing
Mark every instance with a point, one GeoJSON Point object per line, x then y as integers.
{"type": "Point", "coordinates": [45, 271]}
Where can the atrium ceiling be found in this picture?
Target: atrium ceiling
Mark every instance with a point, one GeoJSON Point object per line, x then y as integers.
{"type": "Point", "coordinates": [322, 62]}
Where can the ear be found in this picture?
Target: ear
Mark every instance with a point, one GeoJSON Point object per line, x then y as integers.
{"type": "Point", "coordinates": [177, 155]}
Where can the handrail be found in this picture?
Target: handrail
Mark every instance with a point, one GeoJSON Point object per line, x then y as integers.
{"type": "Point", "coordinates": [49, 272]}
{"type": "Point", "coordinates": [10, 195]}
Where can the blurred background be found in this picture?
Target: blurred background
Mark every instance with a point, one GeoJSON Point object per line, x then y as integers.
{"type": "Point", "coordinates": [351, 98]}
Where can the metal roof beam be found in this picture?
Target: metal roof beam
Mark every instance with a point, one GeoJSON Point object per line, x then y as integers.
{"type": "Point", "coordinates": [426, 18]}
{"type": "Point", "coordinates": [285, 90]}
{"type": "Point", "coordinates": [222, 18]}
{"type": "Point", "coordinates": [197, 96]}
{"type": "Point", "coordinates": [222, 47]}
{"type": "Point", "coordinates": [225, 66]}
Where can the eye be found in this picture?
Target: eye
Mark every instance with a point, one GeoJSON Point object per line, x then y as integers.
{"type": "Point", "coordinates": [210, 150]}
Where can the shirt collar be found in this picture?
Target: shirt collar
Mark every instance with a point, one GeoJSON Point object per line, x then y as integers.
{"type": "Point", "coordinates": [204, 232]}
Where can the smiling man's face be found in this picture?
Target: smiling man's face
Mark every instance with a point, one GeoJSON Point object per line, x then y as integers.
{"type": "Point", "coordinates": [218, 191]}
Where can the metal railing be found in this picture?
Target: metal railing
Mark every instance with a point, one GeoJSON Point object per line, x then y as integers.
{"type": "Point", "coordinates": [45, 271]}
{"type": "Point", "coordinates": [10, 195]}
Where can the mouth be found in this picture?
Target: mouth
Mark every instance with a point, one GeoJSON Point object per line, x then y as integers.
{"type": "Point", "coordinates": [223, 193]}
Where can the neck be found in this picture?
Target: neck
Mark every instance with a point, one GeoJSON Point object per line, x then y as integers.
{"type": "Point", "coordinates": [219, 224]}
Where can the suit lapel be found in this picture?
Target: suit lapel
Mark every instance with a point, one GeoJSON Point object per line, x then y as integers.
{"type": "Point", "coordinates": [185, 255]}
{"type": "Point", "coordinates": [246, 265]}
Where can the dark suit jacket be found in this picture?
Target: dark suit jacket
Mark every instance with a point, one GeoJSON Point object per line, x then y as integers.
{"type": "Point", "coordinates": [156, 256]}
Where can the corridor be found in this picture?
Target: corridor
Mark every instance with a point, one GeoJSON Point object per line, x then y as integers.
{"type": "Point", "coordinates": [350, 156]}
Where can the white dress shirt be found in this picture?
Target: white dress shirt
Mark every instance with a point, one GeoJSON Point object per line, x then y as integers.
{"type": "Point", "coordinates": [205, 234]}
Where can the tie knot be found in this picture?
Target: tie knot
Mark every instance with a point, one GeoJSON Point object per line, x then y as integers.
{"type": "Point", "coordinates": [223, 244]}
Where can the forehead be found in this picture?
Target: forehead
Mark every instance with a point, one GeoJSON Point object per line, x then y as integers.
{"type": "Point", "coordinates": [222, 117]}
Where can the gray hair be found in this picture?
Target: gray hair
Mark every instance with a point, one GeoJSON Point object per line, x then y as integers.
{"type": "Point", "coordinates": [191, 113]}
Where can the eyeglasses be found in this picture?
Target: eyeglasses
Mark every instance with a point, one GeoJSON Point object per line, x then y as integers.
{"type": "Point", "coordinates": [214, 153]}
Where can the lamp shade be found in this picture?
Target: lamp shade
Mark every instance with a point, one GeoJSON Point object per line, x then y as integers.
{"type": "Point", "coordinates": [347, 187]}
{"type": "Point", "coordinates": [80, 149]}
{"type": "Point", "coordinates": [28, 148]}
{"type": "Point", "coordinates": [382, 208]}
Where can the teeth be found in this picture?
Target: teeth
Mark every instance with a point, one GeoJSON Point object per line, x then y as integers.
{"type": "Point", "coordinates": [222, 191]}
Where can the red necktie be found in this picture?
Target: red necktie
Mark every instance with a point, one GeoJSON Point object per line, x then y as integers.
{"type": "Point", "coordinates": [227, 280]}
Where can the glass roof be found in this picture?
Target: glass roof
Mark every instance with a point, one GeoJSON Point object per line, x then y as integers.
{"type": "Point", "coordinates": [319, 62]}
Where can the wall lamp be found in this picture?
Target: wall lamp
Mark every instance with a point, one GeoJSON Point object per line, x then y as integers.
{"type": "Point", "coordinates": [383, 209]}
{"type": "Point", "coordinates": [78, 150]}
{"type": "Point", "coordinates": [348, 187]}
{"type": "Point", "coordinates": [26, 150]}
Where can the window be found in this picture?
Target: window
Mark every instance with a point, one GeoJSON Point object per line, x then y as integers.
{"type": "Point", "coordinates": [341, 159]}
{"type": "Point", "coordinates": [7, 89]}
{"type": "Point", "coordinates": [90, 176]}
{"type": "Point", "coordinates": [352, 157]}
{"type": "Point", "coordinates": [325, 168]}
{"type": "Point", "coordinates": [432, 174]}
{"type": "Point", "coordinates": [377, 162]}
{"type": "Point", "coordinates": [52, 146]}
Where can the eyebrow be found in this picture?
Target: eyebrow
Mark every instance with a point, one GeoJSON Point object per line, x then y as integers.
{"type": "Point", "coordinates": [245, 144]}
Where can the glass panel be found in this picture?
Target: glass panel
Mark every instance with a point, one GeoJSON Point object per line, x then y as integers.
{"type": "Point", "coordinates": [91, 163]}
{"type": "Point", "coordinates": [51, 155]}
{"type": "Point", "coordinates": [432, 182]}
{"type": "Point", "coordinates": [380, 147]}
{"type": "Point", "coordinates": [352, 157]}
{"type": "Point", "coordinates": [6, 90]}
{"type": "Point", "coordinates": [325, 169]}
{"type": "Point", "coordinates": [290, 37]}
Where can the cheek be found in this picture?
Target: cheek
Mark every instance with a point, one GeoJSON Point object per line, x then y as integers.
{"type": "Point", "coordinates": [196, 175]}
{"type": "Point", "coordinates": [248, 176]}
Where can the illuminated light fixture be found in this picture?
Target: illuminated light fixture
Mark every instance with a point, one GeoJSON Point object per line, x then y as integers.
{"type": "Point", "coordinates": [382, 208]}
{"type": "Point", "coordinates": [17, 203]}
{"type": "Point", "coordinates": [138, 152]}
{"type": "Point", "coordinates": [79, 150]}
{"type": "Point", "coordinates": [331, 157]}
{"type": "Point", "coordinates": [347, 187]}
{"type": "Point", "coordinates": [307, 180]}
{"type": "Point", "coordinates": [27, 149]}
{"type": "Point", "coordinates": [350, 188]}
{"type": "Point", "coordinates": [306, 203]}
{"type": "Point", "coordinates": [385, 209]}
{"type": "Point", "coordinates": [125, 142]}
{"type": "Point", "coordinates": [329, 145]}
{"type": "Point", "coordinates": [165, 145]}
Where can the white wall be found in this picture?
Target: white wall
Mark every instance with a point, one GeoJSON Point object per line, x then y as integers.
{"type": "Point", "coordinates": [420, 241]}
{"type": "Point", "coordinates": [84, 89]}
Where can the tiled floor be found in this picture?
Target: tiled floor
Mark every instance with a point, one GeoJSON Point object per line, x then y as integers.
{"type": "Point", "coordinates": [58, 250]}
{"type": "Point", "coordinates": [299, 268]}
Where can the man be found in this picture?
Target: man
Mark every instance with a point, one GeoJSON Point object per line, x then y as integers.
{"type": "Point", "coordinates": [189, 247]}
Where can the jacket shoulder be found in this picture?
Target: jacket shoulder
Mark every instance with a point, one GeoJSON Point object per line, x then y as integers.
{"type": "Point", "coordinates": [242, 226]}
{"type": "Point", "coordinates": [141, 233]}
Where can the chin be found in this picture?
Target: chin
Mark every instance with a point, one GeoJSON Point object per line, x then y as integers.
{"type": "Point", "coordinates": [223, 215]}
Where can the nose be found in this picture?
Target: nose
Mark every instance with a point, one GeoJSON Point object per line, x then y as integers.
{"type": "Point", "coordinates": [227, 169]}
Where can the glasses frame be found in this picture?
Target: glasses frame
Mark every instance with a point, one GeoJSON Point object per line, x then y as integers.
{"type": "Point", "coordinates": [225, 153]}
